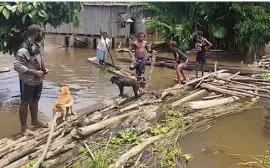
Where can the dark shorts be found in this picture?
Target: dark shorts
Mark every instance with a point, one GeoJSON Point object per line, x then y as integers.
{"type": "Point", "coordinates": [29, 92]}
{"type": "Point", "coordinates": [201, 57]}
{"type": "Point", "coordinates": [139, 64]}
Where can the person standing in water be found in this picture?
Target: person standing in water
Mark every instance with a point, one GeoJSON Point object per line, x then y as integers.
{"type": "Point", "coordinates": [141, 50]}
{"type": "Point", "coordinates": [181, 59]}
{"type": "Point", "coordinates": [31, 68]}
{"type": "Point", "coordinates": [102, 48]}
{"type": "Point", "coordinates": [201, 45]}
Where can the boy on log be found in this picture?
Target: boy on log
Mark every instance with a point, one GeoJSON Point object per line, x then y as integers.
{"type": "Point", "coordinates": [181, 59]}
{"type": "Point", "coordinates": [201, 45]}
{"type": "Point", "coordinates": [31, 68]}
{"type": "Point", "coordinates": [141, 50]}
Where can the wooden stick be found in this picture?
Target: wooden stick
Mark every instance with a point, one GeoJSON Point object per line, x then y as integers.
{"type": "Point", "coordinates": [90, 152]}
{"type": "Point", "coordinates": [199, 84]}
{"type": "Point", "coordinates": [237, 73]}
{"type": "Point", "coordinates": [215, 66]}
{"type": "Point", "coordinates": [151, 71]}
{"type": "Point", "coordinates": [40, 160]}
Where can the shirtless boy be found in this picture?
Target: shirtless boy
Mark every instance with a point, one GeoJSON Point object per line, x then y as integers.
{"type": "Point", "coordinates": [141, 50]}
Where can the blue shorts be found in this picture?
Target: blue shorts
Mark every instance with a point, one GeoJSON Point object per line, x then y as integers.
{"type": "Point", "coordinates": [201, 57]}
{"type": "Point", "coordinates": [100, 54]}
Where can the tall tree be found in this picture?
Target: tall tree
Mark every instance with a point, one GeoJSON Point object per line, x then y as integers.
{"type": "Point", "coordinates": [15, 17]}
{"type": "Point", "coordinates": [232, 26]}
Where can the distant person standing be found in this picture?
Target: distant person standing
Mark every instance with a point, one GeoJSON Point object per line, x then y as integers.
{"type": "Point", "coordinates": [102, 50]}
{"type": "Point", "coordinates": [181, 61]}
{"type": "Point", "coordinates": [201, 45]}
{"type": "Point", "coordinates": [31, 68]}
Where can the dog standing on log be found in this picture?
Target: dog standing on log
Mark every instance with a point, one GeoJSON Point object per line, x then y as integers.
{"type": "Point", "coordinates": [63, 102]}
{"type": "Point", "coordinates": [121, 82]}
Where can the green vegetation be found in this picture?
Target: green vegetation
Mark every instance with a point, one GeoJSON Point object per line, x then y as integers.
{"type": "Point", "coordinates": [15, 17]}
{"type": "Point", "coordinates": [171, 156]}
{"type": "Point", "coordinates": [266, 76]}
{"type": "Point", "coordinates": [29, 164]}
{"type": "Point", "coordinates": [127, 136]}
{"type": "Point", "coordinates": [232, 26]}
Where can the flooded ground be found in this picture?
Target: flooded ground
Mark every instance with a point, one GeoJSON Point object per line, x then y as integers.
{"type": "Point", "coordinates": [237, 134]}
{"type": "Point", "coordinates": [241, 133]}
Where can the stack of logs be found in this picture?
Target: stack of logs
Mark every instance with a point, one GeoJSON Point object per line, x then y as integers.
{"type": "Point", "coordinates": [263, 63]}
{"type": "Point", "coordinates": [228, 88]}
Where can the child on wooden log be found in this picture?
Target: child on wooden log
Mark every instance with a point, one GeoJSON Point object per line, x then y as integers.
{"type": "Point", "coordinates": [141, 50]}
{"type": "Point", "coordinates": [181, 59]}
{"type": "Point", "coordinates": [201, 45]}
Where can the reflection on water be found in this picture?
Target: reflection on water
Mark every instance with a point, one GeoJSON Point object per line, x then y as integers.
{"type": "Point", "coordinates": [237, 134]}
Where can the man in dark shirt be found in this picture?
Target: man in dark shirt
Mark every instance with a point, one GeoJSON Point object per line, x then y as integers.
{"type": "Point", "coordinates": [31, 68]}
{"type": "Point", "coordinates": [180, 58]}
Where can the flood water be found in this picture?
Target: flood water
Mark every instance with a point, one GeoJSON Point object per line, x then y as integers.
{"type": "Point", "coordinates": [91, 84]}
{"type": "Point", "coordinates": [241, 133]}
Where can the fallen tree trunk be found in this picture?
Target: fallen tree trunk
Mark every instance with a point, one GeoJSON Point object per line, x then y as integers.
{"type": "Point", "coordinates": [134, 151]}
{"type": "Point", "coordinates": [224, 91]}
{"type": "Point", "coordinates": [190, 97]}
{"type": "Point", "coordinates": [196, 105]}
{"type": "Point", "coordinates": [100, 125]}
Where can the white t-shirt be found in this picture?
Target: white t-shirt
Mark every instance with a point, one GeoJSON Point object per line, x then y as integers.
{"type": "Point", "coordinates": [102, 45]}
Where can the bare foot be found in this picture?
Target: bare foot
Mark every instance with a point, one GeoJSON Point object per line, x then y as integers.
{"type": "Point", "coordinates": [27, 132]}
{"type": "Point", "coordinates": [39, 125]}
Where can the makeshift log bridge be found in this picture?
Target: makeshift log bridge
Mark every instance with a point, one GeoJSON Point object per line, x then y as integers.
{"type": "Point", "coordinates": [167, 62]}
{"type": "Point", "coordinates": [120, 131]}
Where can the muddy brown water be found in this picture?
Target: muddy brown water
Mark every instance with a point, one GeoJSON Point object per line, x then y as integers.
{"type": "Point", "coordinates": [91, 84]}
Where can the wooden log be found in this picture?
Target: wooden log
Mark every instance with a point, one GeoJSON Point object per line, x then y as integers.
{"type": "Point", "coordinates": [100, 125]}
{"type": "Point", "coordinates": [224, 91]}
{"type": "Point", "coordinates": [212, 97]}
{"type": "Point", "coordinates": [42, 157]}
{"type": "Point", "coordinates": [95, 107]}
{"type": "Point", "coordinates": [60, 149]}
{"type": "Point", "coordinates": [134, 151]}
{"type": "Point", "coordinates": [199, 79]}
{"type": "Point", "coordinates": [196, 105]}
{"type": "Point", "coordinates": [139, 103]}
{"type": "Point", "coordinates": [249, 88]}
{"type": "Point", "coordinates": [10, 158]}
{"type": "Point", "coordinates": [190, 97]}
{"type": "Point", "coordinates": [248, 92]}
{"type": "Point", "coordinates": [250, 80]}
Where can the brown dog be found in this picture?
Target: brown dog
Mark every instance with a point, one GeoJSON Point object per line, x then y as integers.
{"type": "Point", "coordinates": [63, 102]}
